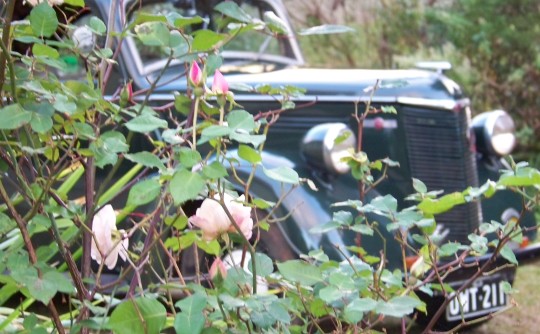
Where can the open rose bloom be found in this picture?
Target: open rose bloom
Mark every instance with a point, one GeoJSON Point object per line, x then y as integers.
{"type": "Point", "coordinates": [108, 243]}
{"type": "Point", "coordinates": [213, 221]}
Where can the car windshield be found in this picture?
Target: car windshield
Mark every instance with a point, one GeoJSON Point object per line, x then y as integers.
{"type": "Point", "coordinates": [248, 47]}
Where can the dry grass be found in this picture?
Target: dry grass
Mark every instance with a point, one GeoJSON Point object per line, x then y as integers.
{"type": "Point", "coordinates": [524, 317]}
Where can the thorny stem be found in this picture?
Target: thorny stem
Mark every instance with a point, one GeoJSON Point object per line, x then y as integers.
{"type": "Point", "coordinates": [4, 56]}
{"type": "Point", "coordinates": [148, 242]}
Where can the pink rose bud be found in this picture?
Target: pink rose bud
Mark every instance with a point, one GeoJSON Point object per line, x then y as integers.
{"type": "Point", "coordinates": [218, 267]}
{"type": "Point", "coordinates": [379, 123]}
{"type": "Point", "coordinates": [195, 74]}
{"type": "Point", "coordinates": [220, 85]}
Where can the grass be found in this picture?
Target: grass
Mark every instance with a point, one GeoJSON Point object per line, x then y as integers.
{"type": "Point", "coordinates": [524, 317]}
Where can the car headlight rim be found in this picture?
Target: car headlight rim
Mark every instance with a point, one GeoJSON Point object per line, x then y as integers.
{"type": "Point", "coordinates": [320, 150]}
{"type": "Point", "coordinates": [497, 130]}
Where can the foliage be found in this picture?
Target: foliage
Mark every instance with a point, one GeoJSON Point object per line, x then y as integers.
{"type": "Point", "coordinates": [68, 151]}
{"type": "Point", "coordinates": [488, 43]}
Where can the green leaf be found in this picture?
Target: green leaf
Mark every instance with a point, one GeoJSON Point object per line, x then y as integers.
{"type": "Point", "coordinates": [146, 159]}
{"type": "Point", "coordinates": [478, 243]}
{"type": "Point", "coordinates": [138, 316]}
{"type": "Point", "coordinates": [508, 254]}
{"type": "Point", "coordinates": [215, 131]}
{"type": "Point", "coordinates": [153, 33]}
{"type": "Point", "coordinates": [6, 223]}
{"type": "Point", "coordinates": [206, 40]}
{"type": "Point", "coordinates": [144, 192]}
{"type": "Point", "coordinates": [398, 306]}
{"type": "Point", "coordinates": [189, 158]}
{"type": "Point", "coordinates": [43, 20]}
{"type": "Point", "coordinates": [181, 22]}
{"type": "Point", "coordinates": [419, 186]}
{"type": "Point", "coordinates": [241, 120]}
{"type": "Point", "coordinates": [75, 3]}
{"type": "Point", "coordinates": [242, 136]}
{"type": "Point", "coordinates": [41, 117]}
{"type": "Point", "coordinates": [214, 171]}
{"type": "Point", "coordinates": [146, 123]}
{"type": "Point", "coordinates": [326, 29]}
{"type": "Point", "coordinates": [232, 10]}
{"type": "Point", "coordinates": [443, 204]}
{"type": "Point", "coordinates": [209, 247]}
{"type": "Point", "coordinates": [107, 147]}
{"type": "Point", "coordinates": [449, 249]}
{"type": "Point", "coordinates": [362, 229]}
{"type": "Point", "coordinates": [354, 311]}
{"type": "Point", "coordinates": [300, 272]}
{"type": "Point", "coordinates": [97, 25]}
{"type": "Point", "coordinates": [185, 185]}
{"type": "Point", "coordinates": [42, 289]}
{"type": "Point", "coordinates": [63, 104]}
{"type": "Point", "coordinates": [331, 293]}
{"type": "Point", "coordinates": [263, 263]}
{"type": "Point", "coordinates": [84, 130]}
{"type": "Point", "coordinates": [14, 116]}
{"type": "Point", "coordinates": [523, 177]}
{"type": "Point", "coordinates": [383, 204]}
{"type": "Point", "coordinates": [191, 319]}
{"type": "Point", "coordinates": [60, 281]}
{"type": "Point", "coordinates": [249, 154]}
{"type": "Point", "coordinates": [325, 227]}
{"type": "Point", "coordinates": [275, 23]}
{"type": "Point", "coordinates": [182, 103]}
{"type": "Point", "coordinates": [45, 51]}
{"type": "Point", "coordinates": [282, 174]}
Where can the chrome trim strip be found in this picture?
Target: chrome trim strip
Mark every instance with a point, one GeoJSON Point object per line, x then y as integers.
{"type": "Point", "coordinates": [420, 102]}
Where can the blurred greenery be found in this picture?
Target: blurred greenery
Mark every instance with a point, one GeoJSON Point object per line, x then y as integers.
{"type": "Point", "coordinates": [491, 44]}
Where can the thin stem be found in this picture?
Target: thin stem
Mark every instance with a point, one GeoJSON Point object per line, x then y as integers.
{"type": "Point", "coordinates": [194, 128]}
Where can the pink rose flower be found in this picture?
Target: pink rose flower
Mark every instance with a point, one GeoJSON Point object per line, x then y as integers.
{"type": "Point", "coordinates": [219, 85]}
{"type": "Point", "coordinates": [108, 243]}
{"type": "Point", "coordinates": [213, 221]}
{"type": "Point", "coordinates": [218, 267]}
{"type": "Point", "coordinates": [195, 74]}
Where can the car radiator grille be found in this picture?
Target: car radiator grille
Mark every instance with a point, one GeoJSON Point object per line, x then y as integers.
{"type": "Point", "coordinates": [439, 154]}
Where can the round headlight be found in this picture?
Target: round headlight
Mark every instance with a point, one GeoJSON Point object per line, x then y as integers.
{"type": "Point", "coordinates": [495, 133]}
{"type": "Point", "coordinates": [325, 145]}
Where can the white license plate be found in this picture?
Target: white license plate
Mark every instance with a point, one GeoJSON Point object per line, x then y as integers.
{"type": "Point", "coordinates": [482, 298]}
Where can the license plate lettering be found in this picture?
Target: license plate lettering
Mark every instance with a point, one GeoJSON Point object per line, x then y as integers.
{"type": "Point", "coordinates": [475, 301]}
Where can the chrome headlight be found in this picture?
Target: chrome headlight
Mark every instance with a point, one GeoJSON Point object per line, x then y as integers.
{"type": "Point", "coordinates": [495, 132]}
{"type": "Point", "coordinates": [324, 146]}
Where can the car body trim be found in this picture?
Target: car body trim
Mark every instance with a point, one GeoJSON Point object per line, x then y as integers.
{"type": "Point", "coordinates": [448, 104]}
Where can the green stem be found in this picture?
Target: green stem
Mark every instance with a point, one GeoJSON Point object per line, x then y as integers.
{"type": "Point", "coordinates": [194, 128]}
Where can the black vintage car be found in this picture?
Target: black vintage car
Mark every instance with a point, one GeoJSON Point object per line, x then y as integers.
{"type": "Point", "coordinates": [432, 136]}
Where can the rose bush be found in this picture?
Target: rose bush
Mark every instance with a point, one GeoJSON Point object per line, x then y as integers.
{"type": "Point", "coordinates": [59, 135]}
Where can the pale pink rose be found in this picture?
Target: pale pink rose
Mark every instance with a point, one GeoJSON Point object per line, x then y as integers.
{"type": "Point", "coordinates": [213, 220]}
{"type": "Point", "coordinates": [242, 217]}
{"type": "Point", "coordinates": [195, 74]}
{"type": "Point", "coordinates": [218, 267]}
{"type": "Point", "coordinates": [34, 3]}
{"type": "Point", "coordinates": [108, 243]}
{"type": "Point", "coordinates": [219, 85]}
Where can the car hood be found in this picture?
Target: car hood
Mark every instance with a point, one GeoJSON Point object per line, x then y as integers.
{"type": "Point", "coordinates": [346, 82]}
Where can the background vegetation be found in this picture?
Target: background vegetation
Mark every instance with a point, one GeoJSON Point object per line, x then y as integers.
{"type": "Point", "coordinates": [489, 43]}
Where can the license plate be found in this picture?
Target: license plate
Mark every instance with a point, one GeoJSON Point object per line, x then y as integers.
{"type": "Point", "coordinates": [484, 297]}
